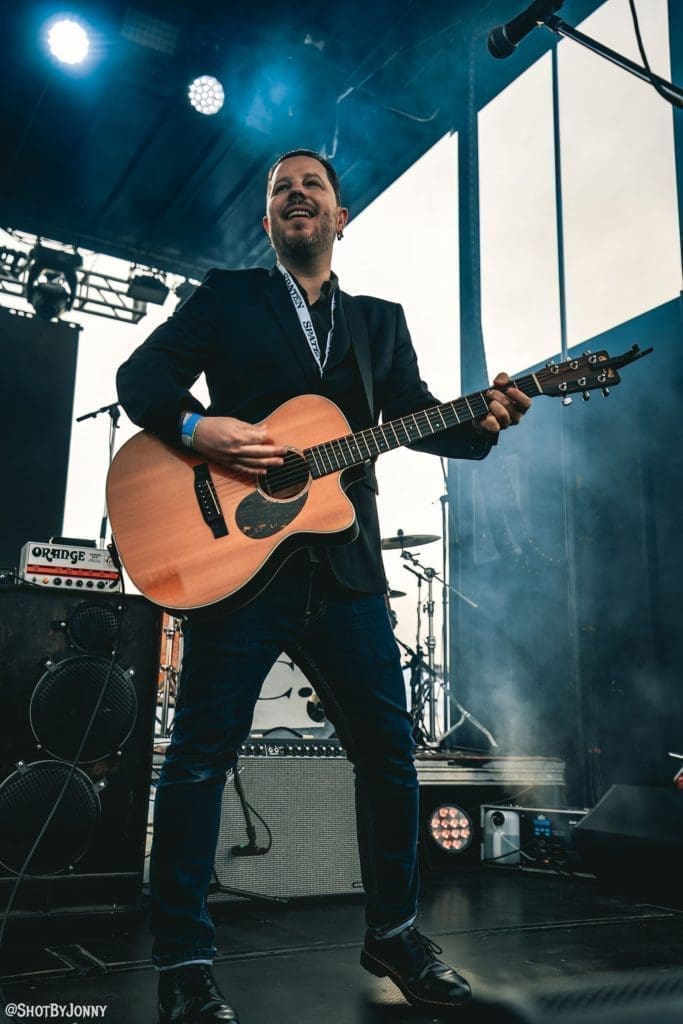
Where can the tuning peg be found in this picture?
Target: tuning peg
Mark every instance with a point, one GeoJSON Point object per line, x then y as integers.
{"type": "Point", "coordinates": [567, 400]}
{"type": "Point", "coordinates": [605, 391]}
{"type": "Point", "coordinates": [585, 395]}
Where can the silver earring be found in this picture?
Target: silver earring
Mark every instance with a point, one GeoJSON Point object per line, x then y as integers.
{"type": "Point", "coordinates": [340, 235]}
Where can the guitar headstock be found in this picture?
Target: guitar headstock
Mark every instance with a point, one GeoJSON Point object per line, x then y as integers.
{"type": "Point", "coordinates": [585, 373]}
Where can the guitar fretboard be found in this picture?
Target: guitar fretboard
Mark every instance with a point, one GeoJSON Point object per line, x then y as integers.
{"type": "Point", "coordinates": [352, 449]}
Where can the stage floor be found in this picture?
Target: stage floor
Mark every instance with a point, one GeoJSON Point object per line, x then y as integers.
{"type": "Point", "coordinates": [299, 964]}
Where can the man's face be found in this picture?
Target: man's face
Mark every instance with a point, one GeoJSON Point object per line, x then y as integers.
{"type": "Point", "coordinates": [302, 216]}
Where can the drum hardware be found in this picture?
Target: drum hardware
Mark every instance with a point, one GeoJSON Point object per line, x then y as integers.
{"type": "Point", "coordinates": [407, 540]}
{"type": "Point", "coordinates": [427, 686]}
{"type": "Point", "coordinates": [169, 671]}
{"type": "Point", "coordinates": [423, 684]}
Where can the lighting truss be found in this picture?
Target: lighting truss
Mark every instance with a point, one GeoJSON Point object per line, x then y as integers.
{"type": "Point", "coordinates": [96, 293]}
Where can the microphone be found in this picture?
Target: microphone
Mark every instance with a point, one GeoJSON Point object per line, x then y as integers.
{"type": "Point", "coordinates": [503, 40]}
{"type": "Point", "coordinates": [248, 850]}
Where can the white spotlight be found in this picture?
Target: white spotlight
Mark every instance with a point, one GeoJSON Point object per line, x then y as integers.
{"type": "Point", "coordinates": [68, 41]}
{"type": "Point", "coordinates": [206, 94]}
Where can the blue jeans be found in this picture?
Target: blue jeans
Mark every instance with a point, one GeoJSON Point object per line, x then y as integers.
{"type": "Point", "coordinates": [348, 638]}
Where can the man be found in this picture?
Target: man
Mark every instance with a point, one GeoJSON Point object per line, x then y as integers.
{"type": "Point", "coordinates": [251, 333]}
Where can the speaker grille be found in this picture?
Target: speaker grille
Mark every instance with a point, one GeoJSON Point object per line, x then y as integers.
{"type": "Point", "coordinates": [26, 798]}
{"type": "Point", "coordinates": [64, 700]}
{"type": "Point", "coordinates": [308, 805]}
{"type": "Point", "coordinates": [91, 627]}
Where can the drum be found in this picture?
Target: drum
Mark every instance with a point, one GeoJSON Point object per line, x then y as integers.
{"type": "Point", "coordinates": [285, 698]}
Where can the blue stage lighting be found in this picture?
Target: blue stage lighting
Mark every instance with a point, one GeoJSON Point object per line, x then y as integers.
{"type": "Point", "coordinates": [68, 41]}
{"type": "Point", "coordinates": [206, 94]}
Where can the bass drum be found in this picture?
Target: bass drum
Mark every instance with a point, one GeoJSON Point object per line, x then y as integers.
{"type": "Point", "coordinates": [288, 701]}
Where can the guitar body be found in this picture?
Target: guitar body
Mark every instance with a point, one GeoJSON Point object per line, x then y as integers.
{"type": "Point", "coordinates": [193, 534]}
{"type": "Point", "coordinates": [182, 560]}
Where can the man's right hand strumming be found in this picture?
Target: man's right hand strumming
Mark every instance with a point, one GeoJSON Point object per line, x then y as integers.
{"type": "Point", "coordinates": [236, 444]}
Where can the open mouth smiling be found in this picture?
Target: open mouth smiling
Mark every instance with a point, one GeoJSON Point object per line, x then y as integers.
{"type": "Point", "coordinates": [298, 211]}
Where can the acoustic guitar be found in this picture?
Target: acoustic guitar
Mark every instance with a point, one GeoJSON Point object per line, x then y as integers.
{"type": "Point", "coordinates": [192, 533]}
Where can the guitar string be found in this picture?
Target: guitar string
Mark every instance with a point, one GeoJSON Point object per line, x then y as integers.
{"type": "Point", "coordinates": [284, 476]}
{"type": "Point", "coordinates": [281, 477]}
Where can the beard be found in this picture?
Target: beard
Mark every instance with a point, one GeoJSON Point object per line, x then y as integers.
{"type": "Point", "coordinates": [303, 247]}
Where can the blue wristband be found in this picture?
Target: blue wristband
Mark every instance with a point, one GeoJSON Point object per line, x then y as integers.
{"type": "Point", "coordinates": [188, 427]}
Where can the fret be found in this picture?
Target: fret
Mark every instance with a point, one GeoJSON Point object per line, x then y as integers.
{"type": "Point", "coordinates": [310, 453]}
{"type": "Point", "coordinates": [382, 444]}
{"type": "Point", "coordinates": [393, 430]}
{"type": "Point", "coordinates": [338, 456]}
{"type": "Point", "coordinates": [348, 458]}
{"type": "Point", "coordinates": [402, 424]}
{"type": "Point", "coordinates": [325, 457]}
{"type": "Point", "coordinates": [438, 412]}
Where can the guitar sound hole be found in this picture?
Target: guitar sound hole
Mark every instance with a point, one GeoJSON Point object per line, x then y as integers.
{"type": "Point", "coordinates": [288, 480]}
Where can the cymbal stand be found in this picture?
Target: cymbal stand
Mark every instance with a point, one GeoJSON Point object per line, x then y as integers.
{"type": "Point", "coordinates": [427, 575]}
{"type": "Point", "coordinates": [432, 739]}
{"type": "Point", "coordinates": [170, 678]}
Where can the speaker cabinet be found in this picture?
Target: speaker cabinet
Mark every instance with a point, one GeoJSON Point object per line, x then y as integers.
{"type": "Point", "coordinates": [307, 805]}
{"type": "Point", "coordinates": [634, 835]}
{"type": "Point", "coordinates": [55, 650]}
{"type": "Point", "coordinates": [623, 997]}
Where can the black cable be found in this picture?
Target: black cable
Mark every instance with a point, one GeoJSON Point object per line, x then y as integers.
{"type": "Point", "coordinates": [270, 834]}
{"type": "Point", "coordinates": [673, 100]}
{"type": "Point", "coordinates": [72, 768]}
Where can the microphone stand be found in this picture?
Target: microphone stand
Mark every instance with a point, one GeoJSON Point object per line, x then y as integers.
{"type": "Point", "coordinates": [114, 412]}
{"type": "Point", "coordinates": [670, 91]}
{"type": "Point", "coordinates": [248, 849]}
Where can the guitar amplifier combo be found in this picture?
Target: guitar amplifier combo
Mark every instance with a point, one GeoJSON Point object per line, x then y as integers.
{"type": "Point", "coordinates": [302, 795]}
{"type": "Point", "coordinates": [55, 654]}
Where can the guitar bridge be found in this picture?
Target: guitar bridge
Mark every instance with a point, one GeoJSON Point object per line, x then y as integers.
{"type": "Point", "coordinates": [209, 505]}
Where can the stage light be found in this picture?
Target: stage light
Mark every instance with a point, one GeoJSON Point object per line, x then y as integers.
{"type": "Point", "coordinates": [51, 281]}
{"type": "Point", "coordinates": [206, 94]}
{"type": "Point", "coordinates": [148, 287]}
{"type": "Point", "coordinates": [450, 828]}
{"type": "Point", "coordinates": [68, 41]}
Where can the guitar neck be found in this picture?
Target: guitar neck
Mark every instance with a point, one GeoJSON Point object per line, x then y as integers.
{"type": "Point", "coordinates": [353, 449]}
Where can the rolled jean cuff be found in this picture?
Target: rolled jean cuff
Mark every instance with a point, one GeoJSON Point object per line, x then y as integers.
{"type": "Point", "coordinates": [167, 961]}
{"type": "Point", "coordinates": [390, 931]}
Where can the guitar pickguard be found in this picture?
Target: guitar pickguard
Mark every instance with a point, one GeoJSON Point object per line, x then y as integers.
{"type": "Point", "coordinates": [257, 517]}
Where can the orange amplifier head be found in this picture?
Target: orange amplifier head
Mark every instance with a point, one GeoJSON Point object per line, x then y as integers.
{"type": "Point", "coordinates": [65, 565]}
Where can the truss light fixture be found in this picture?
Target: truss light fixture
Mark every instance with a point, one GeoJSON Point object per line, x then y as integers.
{"type": "Point", "coordinates": [51, 281]}
{"type": "Point", "coordinates": [148, 286]}
{"type": "Point", "coordinates": [206, 94]}
{"type": "Point", "coordinates": [450, 828]}
{"type": "Point", "coordinates": [68, 41]}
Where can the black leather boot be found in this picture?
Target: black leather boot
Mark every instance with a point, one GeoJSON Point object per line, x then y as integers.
{"type": "Point", "coordinates": [409, 959]}
{"type": "Point", "coordinates": [190, 995]}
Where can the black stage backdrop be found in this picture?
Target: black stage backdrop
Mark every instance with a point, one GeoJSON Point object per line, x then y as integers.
{"type": "Point", "coordinates": [38, 359]}
{"type": "Point", "coordinates": [570, 539]}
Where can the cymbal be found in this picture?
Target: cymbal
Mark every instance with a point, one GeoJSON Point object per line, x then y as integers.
{"type": "Point", "coordinates": [396, 593]}
{"type": "Point", "coordinates": [407, 540]}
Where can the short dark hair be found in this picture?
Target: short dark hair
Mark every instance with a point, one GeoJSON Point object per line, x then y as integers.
{"type": "Point", "coordinates": [329, 169]}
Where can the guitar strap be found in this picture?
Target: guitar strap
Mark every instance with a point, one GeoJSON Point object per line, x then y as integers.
{"type": "Point", "coordinates": [360, 340]}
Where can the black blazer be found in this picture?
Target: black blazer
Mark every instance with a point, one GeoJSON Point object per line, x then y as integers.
{"type": "Point", "coordinates": [241, 330]}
